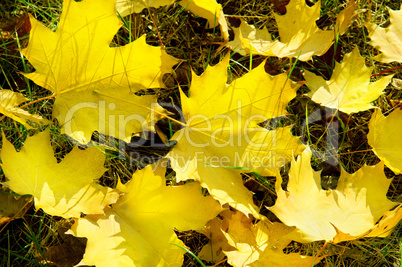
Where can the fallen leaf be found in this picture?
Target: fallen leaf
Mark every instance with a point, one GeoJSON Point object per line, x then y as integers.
{"type": "Point", "coordinates": [247, 38]}
{"type": "Point", "coordinates": [9, 102]}
{"type": "Point", "coordinates": [222, 139]}
{"type": "Point", "coordinates": [69, 252]}
{"type": "Point", "coordinates": [349, 88]}
{"type": "Point", "coordinates": [11, 29]}
{"type": "Point", "coordinates": [13, 207]}
{"type": "Point", "coordinates": [387, 223]}
{"type": "Point", "coordinates": [345, 18]}
{"type": "Point", "coordinates": [382, 229]}
{"type": "Point", "coordinates": [353, 207]}
{"type": "Point", "coordinates": [95, 84]}
{"type": "Point", "coordinates": [64, 189]}
{"type": "Point", "coordinates": [384, 138]}
{"type": "Point", "coordinates": [298, 33]}
{"type": "Point", "coordinates": [279, 5]}
{"type": "Point", "coordinates": [213, 251]}
{"type": "Point", "coordinates": [210, 10]}
{"type": "Point", "coordinates": [138, 229]}
{"type": "Point", "coordinates": [261, 244]}
{"type": "Point", "coordinates": [387, 40]}
{"type": "Point", "coordinates": [15, 24]}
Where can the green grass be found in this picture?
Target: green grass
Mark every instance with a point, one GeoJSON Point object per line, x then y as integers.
{"type": "Point", "coordinates": [23, 242]}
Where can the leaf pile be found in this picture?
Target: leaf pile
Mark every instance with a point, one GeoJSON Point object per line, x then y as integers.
{"type": "Point", "coordinates": [229, 127]}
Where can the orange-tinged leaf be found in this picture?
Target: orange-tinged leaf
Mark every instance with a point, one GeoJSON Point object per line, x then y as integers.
{"type": "Point", "coordinates": [138, 229]}
{"type": "Point", "coordinates": [388, 40]}
{"type": "Point", "coordinates": [222, 137]}
{"type": "Point", "coordinates": [382, 229]}
{"type": "Point", "coordinates": [385, 138]}
{"type": "Point", "coordinates": [261, 244]}
{"type": "Point", "coordinates": [95, 84]}
{"type": "Point", "coordinates": [353, 207]}
{"type": "Point", "coordinates": [345, 18]}
{"type": "Point", "coordinates": [64, 189]}
{"type": "Point", "coordinates": [9, 101]}
{"type": "Point", "coordinates": [69, 252]}
{"type": "Point", "coordinates": [385, 226]}
{"type": "Point", "coordinates": [349, 88]}
{"type": "Point", "coordinates": [213, 251]}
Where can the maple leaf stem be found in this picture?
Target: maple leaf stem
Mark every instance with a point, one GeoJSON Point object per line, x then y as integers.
{"type": "Point", "coordinates": [321, 250]}
{"type": "Point", "coordinates": [218, 263]}
{"type": "Point", "coordinates": [32, 102]}
{"type": "Point", "coordinates": [38, 100]}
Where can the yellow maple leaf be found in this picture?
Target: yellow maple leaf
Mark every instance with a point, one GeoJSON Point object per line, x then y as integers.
{"type": "Point", "coordinates": [353, 207]}
{"type": "Point", "coordinates": [298, 32]}
{"type": "Point", "coordinates": [95, 84]}
{"type": "Point", "coordinates": [138, 229]}
{"type": "Point", "coordinates": [208, 9]}
{"type": "Point", "coordinates": [222, 138]}
{"type": "Point", "coordinates": [9, 101]}
{"type": "Point", "coordinates": [261, 244]}
{"type": "Point", "coordinates": [64, 189]}
{"type": "Point", "coordinates": [384, 138]}
{"type": "Point", "coordinates": [295, 29]}
{"type": "Point", "coordinates": [387, 40]}
{"type": "Point", "coordinates": [247, 38]}
{"type": "Point", "coordinates": [349, 88]}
